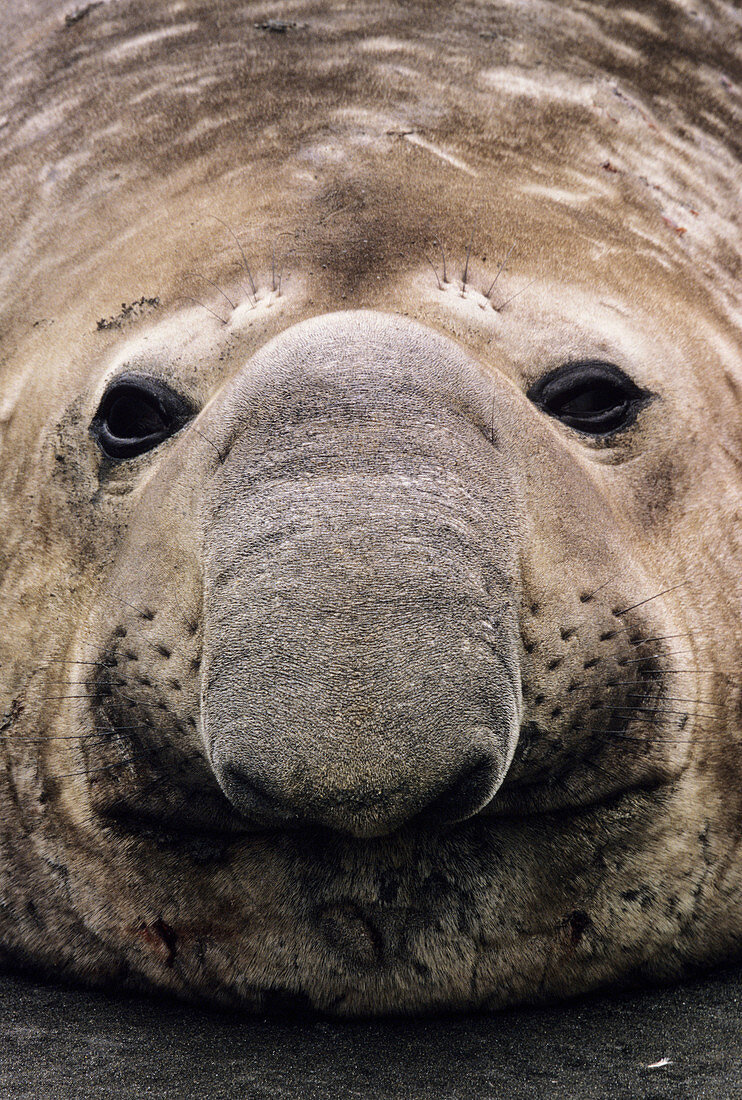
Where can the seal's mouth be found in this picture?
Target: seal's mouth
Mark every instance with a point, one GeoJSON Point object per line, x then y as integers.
{"type": "Point", "coordinates": [203, 841]}
{"type": "Point", "coordinates": [541, 799]}
{"type": "Point", "coordinates": [203, 834]}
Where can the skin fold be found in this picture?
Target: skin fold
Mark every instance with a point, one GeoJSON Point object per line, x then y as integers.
{"type": "Point", "coordinates": [374, 686]}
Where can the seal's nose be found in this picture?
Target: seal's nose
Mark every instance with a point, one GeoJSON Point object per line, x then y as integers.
{"type": "Point", "coordinates": [360, 645]}
{"type": "Point", "coordinates": [284, 799]}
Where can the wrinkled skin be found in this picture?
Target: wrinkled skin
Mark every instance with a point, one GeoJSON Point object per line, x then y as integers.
{"type": "Point", "coordinates": [374, 687]}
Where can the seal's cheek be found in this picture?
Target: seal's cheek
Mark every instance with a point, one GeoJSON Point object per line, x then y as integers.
{"type": "Point", "coordinates": [337, 616]}
{"type": "Point", "coordinates": [660, 490]}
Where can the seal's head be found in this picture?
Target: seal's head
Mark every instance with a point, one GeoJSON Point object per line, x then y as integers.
{"type": "Point", "coordinates": [372, 616]}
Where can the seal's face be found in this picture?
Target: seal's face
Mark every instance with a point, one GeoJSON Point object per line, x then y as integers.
{"type": "Point", "coordinates": [375, 640]}
{"type": "Point", "coordinates": [345, 631]}
{"type": "Point", "coordinates": [383, 657]}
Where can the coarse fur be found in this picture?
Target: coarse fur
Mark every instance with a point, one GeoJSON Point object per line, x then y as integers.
{"type": "Point", "coordinates": [374, 688]}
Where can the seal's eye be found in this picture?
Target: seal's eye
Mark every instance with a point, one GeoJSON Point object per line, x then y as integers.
{"type": "Point", "coordinates": [593, 397]}
{"type": "Point", "coordinates": [137, 414]}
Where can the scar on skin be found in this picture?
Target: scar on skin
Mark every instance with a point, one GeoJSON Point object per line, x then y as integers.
{"type": "Point", "coordinates": [415, 139]}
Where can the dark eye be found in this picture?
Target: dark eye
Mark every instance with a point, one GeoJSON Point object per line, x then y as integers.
{"type": "Point", "coordinates": [593, 397]}
{"type": "Point", "coordinates": [137, 414]}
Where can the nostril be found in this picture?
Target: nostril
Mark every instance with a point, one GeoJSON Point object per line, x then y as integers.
{"type": "Point", "coordinates": [470, 792]}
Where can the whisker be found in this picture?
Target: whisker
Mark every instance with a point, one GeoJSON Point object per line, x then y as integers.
{"type": "Point", "coordinates": [649, 599]}
{"type": "Point", "coordinates": [67, 683]}
{"type": "Point", "coordinates": [655, 710]}
{"type": "Point", "coordinates": [651, 657]}
{"type": "Point", "coordinates": [688, 671]}
{"type": "Point", "coordinates": [641, 683]}
{"type": "Point", "coordinates": [197, 275]}
{"type": "Point", "coordinates": [597, 768]}
{"type": "Point", "coordinates": [499, 270]}
{"type": "Point", "coordinates": [97, 771]}
{"type": "Point", "coordinates": [288, 252]}
{"type": "Point", "coordinates": [651, 724]}
{"type": "Point", "coordinates": [187, 298]}
{"type": "Point", "coordinates": [87, 695]}
{"type": "Point", "coordinates": [43, 740]}
{"type": "Point", "coordinates": [222, 458]}
{"type": "Point", "coordinates": [443, 257]}
{"type": "Point", "coordinates": [115, 596]}
{"type": "Point", "coordinates": [631, 630]}
{"type": "Point", "coordinates": [680, 698]}
{"type": "Point", "coordinates": [435, 271]}
{"type": "Point", "coordinates": [666, 740]}
{"type": "Point", "coordinates": [103, 734]}
{"type": "Point", "coordinates": [468, 254]}
{"type": "Point", "coordinates": [242, 252]}
{"type": "Point", "coordinates": [158, 781]}
{"type": "Point", "coordinates": [615, 735]}
{"type": "Point", "coordinates": [659, 637]}
{"type": "Point", "coordinates": [512, 297]}
{"type": "Point", "coordinates": [587, 596]}
{"type": "Point", "coordinates": [74, 661]}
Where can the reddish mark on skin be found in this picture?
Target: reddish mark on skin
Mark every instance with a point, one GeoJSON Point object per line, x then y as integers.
{"type": "Point", "coordinates": [576, 924]}
{"type": "Point", "coordinates": [635, 106]}
{"type": "Point", "coordinates": [165, 940]}
{"type": "Point", "coordinates": [159, 935]}
{"type": "Point", "coordinates": [679, 229]}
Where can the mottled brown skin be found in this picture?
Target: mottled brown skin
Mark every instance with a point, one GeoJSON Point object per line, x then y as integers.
{"type": "Point", "coordinates": [374, 688]}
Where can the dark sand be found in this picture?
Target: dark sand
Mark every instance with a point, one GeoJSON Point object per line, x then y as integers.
{"type": "Point", "coordinates": [64, 1043]}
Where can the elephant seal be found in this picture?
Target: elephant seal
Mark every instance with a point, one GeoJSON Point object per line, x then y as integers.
{"type": "Point", "coordinates": [370, 499]}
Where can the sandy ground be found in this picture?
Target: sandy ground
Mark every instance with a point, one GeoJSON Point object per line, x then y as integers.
{"type": "Point", "coordinates": [64, 1043]}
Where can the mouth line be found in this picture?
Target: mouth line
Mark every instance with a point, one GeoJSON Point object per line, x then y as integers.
{"type": "Point", "coordinates": [206, 843]}
{"type": "Point", "coordinates": [175, 831]}
{"type": "Point", "coordinates": [543, 799]}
